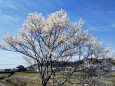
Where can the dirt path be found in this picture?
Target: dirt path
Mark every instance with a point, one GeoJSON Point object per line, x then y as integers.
{"type": "Point", "coordinates": [2, 84]}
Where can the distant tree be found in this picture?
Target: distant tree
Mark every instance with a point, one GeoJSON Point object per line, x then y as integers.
{"type": "Point", "coordinates": [55, 38]}
{"type": "Point", "coordinates": [21, 68]}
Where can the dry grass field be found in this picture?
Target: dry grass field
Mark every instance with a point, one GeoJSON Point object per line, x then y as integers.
{"type": "Point", "coordinates": [32, 79]}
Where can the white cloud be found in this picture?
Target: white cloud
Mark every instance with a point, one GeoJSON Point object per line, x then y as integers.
{"type": "Point", "coordinates": [98, 28]}
{"type": "Point", "coordinates": [11, 5]}
{"type": "Point", "coordinates": [5, 18]}
{"type": "Point", "coordinates": [93, 28]}
{"type": "Point", "coordinates": [11, 18]}
{"type": "Point", "coordinates": [10, 59]}
{"type": "Point", "coordinates": [8, 3]}
{"type": "Point", "coordinates": [8, 19]}
{"type": "Point", "coordinates": [108, 27]}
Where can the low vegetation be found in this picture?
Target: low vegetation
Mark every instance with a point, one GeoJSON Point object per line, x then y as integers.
{"type": "Point", "coordinates": [31, 79]}
{"type": "Point", "coordinates": [3, 75]}
{"type": "Point", "coordinates": [6, 83]}
{"type": "Point", "coordinates": [23, 81]}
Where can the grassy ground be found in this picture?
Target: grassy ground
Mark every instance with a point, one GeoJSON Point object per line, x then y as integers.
{"type": "Point", "coordinates": [28, 74]}
{"type": "Point", "coordinates": [5, 83]}
{"type": "Point", "coordinates": [112, 78]}
{"type": "Point", "coordinates": [4, 75]}
{"type": "Point", "coordinates": [32, 79]}
{"type": "Point", "coordinates": [23, 79]}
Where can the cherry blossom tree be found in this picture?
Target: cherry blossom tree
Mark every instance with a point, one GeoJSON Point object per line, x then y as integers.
{"type": "Point", "coordinates": [46, 40]}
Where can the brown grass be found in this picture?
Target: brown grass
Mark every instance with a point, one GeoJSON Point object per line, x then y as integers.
{"type": "Point", "coordinates": [24, 81]}
{"type": "Point", "coordinates": [32, 79]}
{"type": "Point", "coordinates": [4, 75]}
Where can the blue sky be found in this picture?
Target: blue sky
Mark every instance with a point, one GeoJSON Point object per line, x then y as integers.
{"type": "Point", "coordinates": [98, 15]}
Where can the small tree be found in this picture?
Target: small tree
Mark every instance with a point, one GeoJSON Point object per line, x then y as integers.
{"type": "Point", "coordinates": [51, 39]}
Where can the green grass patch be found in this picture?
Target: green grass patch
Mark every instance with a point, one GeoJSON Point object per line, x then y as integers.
{"type": "Point", "coordinates": [5, 83]}
{"type": "Point", "coordinates": [113, 82]}
{"type": "Point", "coordinates": [28, 74]}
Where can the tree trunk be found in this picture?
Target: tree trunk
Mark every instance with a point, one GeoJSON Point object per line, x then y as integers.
{"type": "Point", "coordinates": [44, 84]}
